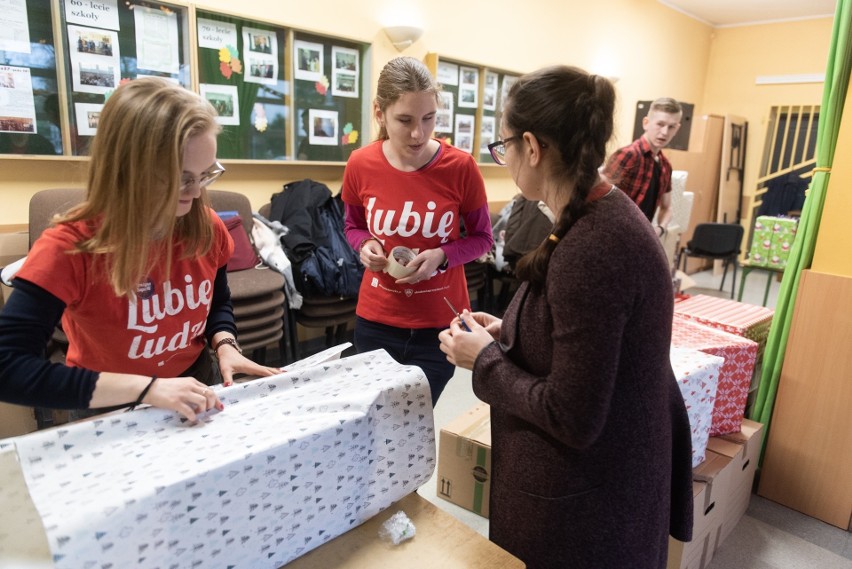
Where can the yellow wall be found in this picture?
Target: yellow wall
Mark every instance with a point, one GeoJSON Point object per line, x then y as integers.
{"type": "Point", "coordinates": [651, 49]}
{"type": "Point", "coordinates": [739, 55]}
{"type": "Point", "coordinates": [832, 253]}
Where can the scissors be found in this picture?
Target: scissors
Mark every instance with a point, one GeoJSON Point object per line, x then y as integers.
{"type": "Point", "coordinates": [456, 312]}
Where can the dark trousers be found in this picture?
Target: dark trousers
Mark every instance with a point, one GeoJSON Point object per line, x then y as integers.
{"type": "Point", "coordinates": [409, 346]}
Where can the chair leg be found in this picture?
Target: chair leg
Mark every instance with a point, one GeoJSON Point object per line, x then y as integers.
{"type": "Point", "coordinates": [769, 275]}
{"type": "Point", "coordinates": [746, 271]}
{"type": "Point", "coordinates": [734, 279]}
{"type": "Point", "coordinates": [724, 274]}
{"type": "Point", "coordinates": [329, 336]}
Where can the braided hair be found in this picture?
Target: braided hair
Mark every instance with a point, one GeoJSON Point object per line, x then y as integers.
{"type": "Point", "coordinates": [572, 111]}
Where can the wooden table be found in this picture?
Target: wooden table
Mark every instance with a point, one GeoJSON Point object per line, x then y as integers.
{"type": "Point", "coordinates": [441, 541]}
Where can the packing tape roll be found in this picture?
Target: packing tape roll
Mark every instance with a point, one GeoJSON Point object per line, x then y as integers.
{"type": "Point", "coordinates": [398, 258]}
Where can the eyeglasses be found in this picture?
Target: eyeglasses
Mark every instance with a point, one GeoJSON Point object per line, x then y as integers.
{"type": "Point", "coordinates": [498, 150]}
{"type": "Point", "coordinates": [205, 179]}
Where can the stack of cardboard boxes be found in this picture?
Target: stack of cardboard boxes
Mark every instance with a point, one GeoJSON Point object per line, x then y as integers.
{"type": "Point", "coordinates": [722, 484]}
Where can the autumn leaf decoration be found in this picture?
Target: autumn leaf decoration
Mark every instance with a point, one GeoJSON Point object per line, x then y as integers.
{"type": "Point", "coordinates": [229, 62]}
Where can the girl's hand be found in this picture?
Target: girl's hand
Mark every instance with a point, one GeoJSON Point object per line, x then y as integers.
{"type": "Point", "coordinates": [231, 362]}
{"type": "Point", "coordinates": [373, 255]}
{"type": "Point", "coordinates": [427, 263]}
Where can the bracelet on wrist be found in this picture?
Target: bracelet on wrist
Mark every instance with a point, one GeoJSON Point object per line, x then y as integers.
{"type": "Point", "coordinates": [226, 341]}
{"type": "Point", "coordinates": [142, 395]}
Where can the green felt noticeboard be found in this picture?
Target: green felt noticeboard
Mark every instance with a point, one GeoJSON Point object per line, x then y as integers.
{"type": "Point", "coordinates": [241, 71]}
{"type": "Point", "coordinates": [470, 105]}
{"type": "Point", "coordinates": [107, 44]}
{"type": "Point", "coordinates": [328, 97]}
{"type": "Point", "coordinates": [281, 94]}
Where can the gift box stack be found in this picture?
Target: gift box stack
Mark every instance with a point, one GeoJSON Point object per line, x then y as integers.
{"type": "Point", "coordinates": [746, 320]}
{"type": "Point", "coordinates": [771, 241]}
{"type": "Point", "coordinates": [697, 376]}
{"type": "Point", "coordinates": [735, 374]}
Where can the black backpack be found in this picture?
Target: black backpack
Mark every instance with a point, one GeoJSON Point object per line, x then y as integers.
{"type": "Point", "coordinates": [323, 261]}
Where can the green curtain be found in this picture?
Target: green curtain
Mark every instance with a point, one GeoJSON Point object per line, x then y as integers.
{"type": "Point", "coordinates": [802, 253]}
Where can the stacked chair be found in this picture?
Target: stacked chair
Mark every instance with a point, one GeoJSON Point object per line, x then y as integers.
{"type": "Point", "coordinates": [332, 313]}
{"type": "Point", "coordinates": [256, 293]}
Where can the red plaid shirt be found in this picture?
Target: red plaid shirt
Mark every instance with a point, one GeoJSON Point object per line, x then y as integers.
{"type": "Point", "coordinates": [631, 167]}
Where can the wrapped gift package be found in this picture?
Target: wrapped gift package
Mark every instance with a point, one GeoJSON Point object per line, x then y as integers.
{"type": "Point", "coordinates": [746, 320]}
{"type": "Point", "coordinates": [772, 240]}
{"type": "Point", "coordinates": [734, 375]}
{"type": "Point", "coordinates": [697, 376]}
{"type": "Point", "coordinates": [293, 461]}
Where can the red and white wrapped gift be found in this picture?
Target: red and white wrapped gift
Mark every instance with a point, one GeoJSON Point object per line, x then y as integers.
{"type": "Point", "coordinates": [746, 320]}
{"type": "Point", "coordinates": [734, 375]}
{"type": "Point", "coordinates": [697, 376]}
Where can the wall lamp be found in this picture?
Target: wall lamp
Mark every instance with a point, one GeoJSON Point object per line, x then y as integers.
{"type": "Point", "coordinates": [403, 36]}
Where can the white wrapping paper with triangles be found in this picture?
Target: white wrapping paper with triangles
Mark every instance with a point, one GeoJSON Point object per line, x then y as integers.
{"type": "Point", "coordinates": [293, 461]}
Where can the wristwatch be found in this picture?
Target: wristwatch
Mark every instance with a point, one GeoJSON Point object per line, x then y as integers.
{"type": "Point", "coordinates": [229, 341]}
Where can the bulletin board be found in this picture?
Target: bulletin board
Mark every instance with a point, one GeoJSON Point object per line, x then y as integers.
{"type": "Point", "coordinates": [496, 85]}
{"type": "Point", "coordinates": [241, 72]}
{"type": "Point", "coordinates": [328, 97]}
{"type": "Point", "coordinates": [29, 99]}
{"type": "Point", "coordinates": [470, 105]}
{"type": "Point", "coordinates": [107, 43]}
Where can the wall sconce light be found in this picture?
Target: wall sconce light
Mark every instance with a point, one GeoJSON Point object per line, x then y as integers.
{"type": "Point", "coordinates": [403, 36]}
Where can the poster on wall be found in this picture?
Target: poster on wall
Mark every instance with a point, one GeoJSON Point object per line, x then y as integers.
{"type": "Point", "coordinates": [95, 61]}
{"type": "Point", "coordinates": [448, 73]}
{"type": "Point", "coordinates": [260, 49]}
{"type": "Point", "coordinates": [216, 35]}
{"type": "Point", "coordinates": [464, 132]}
{"type": "Point", "coordinates": [17, 105]}
{"type": "Point", "coordinates": [345, 71]}
{"type": "Point", "coordinates": [323, 127]}
{"type": "Point", "coordinates": [225, 100]}
{"type": "Point", "coordinates": [88, 116]}
{"type": "Point", "coordinates": [444, 116]}
{"type": "Point", "coordinates": [309, 60]}
{"type": "Point", "coordinates": [157, 46]}
{"type": "Point", "coordinates": [486, 134]}
{"type": "Point", "coordinates": [14, 26]}
{"type": "Point", "coordinates": [468, 87]}
{"type": "Point", "coordinates": [489, 92]}
{"type": "Point", "coordinates": [97, 14]}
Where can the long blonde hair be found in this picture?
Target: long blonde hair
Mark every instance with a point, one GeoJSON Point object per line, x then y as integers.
{"type": "Point", "coordinates": [135, 177]}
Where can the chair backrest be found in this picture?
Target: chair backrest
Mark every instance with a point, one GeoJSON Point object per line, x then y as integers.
{"type": "Point", "coordinates": [47, 203]}
{"type": "Point", "coordinates": [223, 200]}
{"type": "Point", "coordinates": [721, 239]}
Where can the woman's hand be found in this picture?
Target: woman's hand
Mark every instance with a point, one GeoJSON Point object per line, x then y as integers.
{"type": "Point", "coordinates": [186, 395]}
{"type": "Point", "coordinates": [491, 323]}
{"type": "Point", "coordinates": [231, 362]}
{"type": "Point", "coordinates": [426, 264]}
{"type": "Point", "coordinates": [373, 255]}
{"type": "Point", "coordinates": [461, 347]}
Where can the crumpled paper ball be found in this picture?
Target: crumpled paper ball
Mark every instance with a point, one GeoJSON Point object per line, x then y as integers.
{"type": "Point", "coordinates": [397, 529]}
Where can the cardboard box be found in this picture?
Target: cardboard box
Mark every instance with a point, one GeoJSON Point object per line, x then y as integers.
{"type": "Point", "coordinates": [743, 449]}
{"type": "Point", "coordinates": [696, 553]}
{"type": "Point", "coordinates": [464, 460]}
{"type": "Point", "coordinates": [16, 420]}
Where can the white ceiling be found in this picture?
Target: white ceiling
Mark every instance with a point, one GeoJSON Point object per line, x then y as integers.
{"type": "Point", "coordinates": [724, 13]}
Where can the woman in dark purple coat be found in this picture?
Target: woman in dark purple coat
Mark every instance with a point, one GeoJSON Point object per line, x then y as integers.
{"type": "Point", "coordinates": [591, 448]}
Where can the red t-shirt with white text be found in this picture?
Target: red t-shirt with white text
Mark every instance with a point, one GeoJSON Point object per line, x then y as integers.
{"type": "Point", "coordinates": [419, 210]}
{"type": "Point", "coordinates": [160, 332]}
